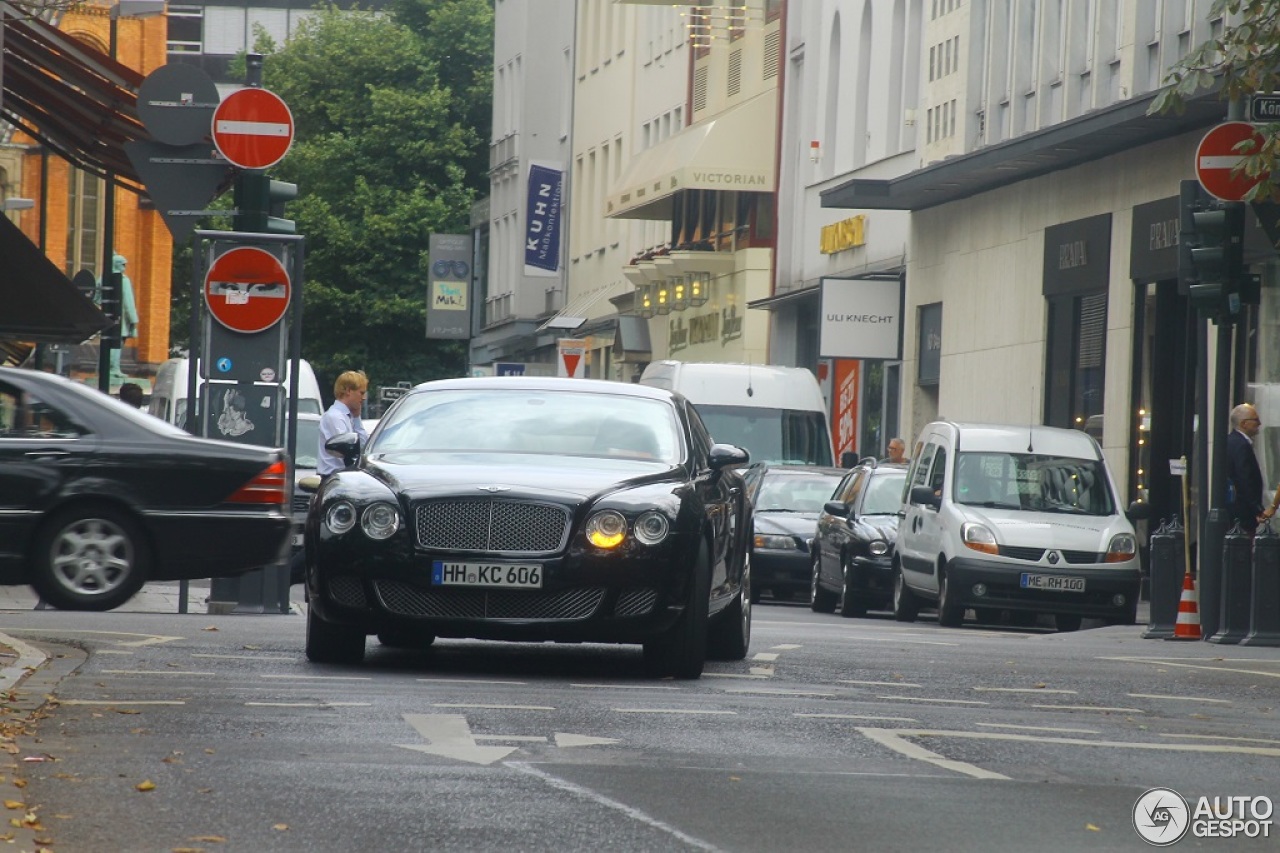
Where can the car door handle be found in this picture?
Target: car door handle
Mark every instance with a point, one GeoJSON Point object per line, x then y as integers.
{"type": "Point", "coordinates": [46, 454]}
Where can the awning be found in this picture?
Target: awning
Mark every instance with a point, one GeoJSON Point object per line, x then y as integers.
{"type": "Point", "coordinates": [578, 309]}
{"type": "Point", "coordinates": [731, 151]}
{"type": "Point", "coordinates": [73, 98]}
{"type": "Point", "coordinates": [38, 302]}
{"type": "Point", "coordinates": [1092, 136]}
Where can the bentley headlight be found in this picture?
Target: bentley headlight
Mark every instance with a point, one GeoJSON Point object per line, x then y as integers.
{"type": "Point", "coordinates": [380, 520]}
{"type": "Point", "coordinates": [774, 543]}
{"type": "Point", "coordinates": [341, 517]}
{"type": "Point", "coordinates": [878, 547]}
{"type": "Point", "coordinates": [652, 527]}
{"type": "Point", "coordinates": [606, 529]}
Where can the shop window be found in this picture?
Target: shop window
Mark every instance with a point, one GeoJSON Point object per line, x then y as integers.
{"type": "Point", "coordinates": [1075, 366]}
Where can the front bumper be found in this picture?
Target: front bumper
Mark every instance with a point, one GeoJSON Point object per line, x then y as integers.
{"type": "Point", "coordinates": [790, 570]}
{"type": "Point", "coordinates": [1004, 589]}
{"type": "Point", "coordinates": [873, 577]}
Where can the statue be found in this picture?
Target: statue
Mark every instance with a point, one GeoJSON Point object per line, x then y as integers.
{"type": "Point", "coordinates": [128, 315]}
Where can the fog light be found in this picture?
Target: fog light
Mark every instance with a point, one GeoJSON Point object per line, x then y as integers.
{"type": "Point", "coordinates": [1118, 599]}
{"type": "Point", "coordinates": [979, 590]}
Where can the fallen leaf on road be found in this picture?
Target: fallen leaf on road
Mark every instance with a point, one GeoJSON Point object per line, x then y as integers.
{"type": "Point", "coordinates": [281, 827]}
{"type": "Point", "coordinates": [212, 839]}
{"type": "Point", "coordinates": [13, 804]}
{"type": "Point", "coordinates": [146, 785]}
{"type": "Point", "coordinates": [187, 850]}
{"type": "Point", "coordinates": [19, 783]}
{"type": "Point", "coordinates": [1091, 827]}
{"type": "Point", "coordinates": [251, 648]}
{"type": "Point", "coordinates": [126, 711]}
{"type": "Point", "coordinates": [1041, 685]}
{"type": "Point", "coordinates": [210, 628]}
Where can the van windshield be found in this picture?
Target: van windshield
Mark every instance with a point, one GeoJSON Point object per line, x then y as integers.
{"type": "Point", "coordinates": [781, 436]}
{"type": "Point", "coordinates": [1033, 482]}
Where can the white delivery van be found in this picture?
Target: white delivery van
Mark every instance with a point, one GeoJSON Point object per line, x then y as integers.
{"type": "Point", "coordinates": [169, 391]}
{"type": "Point", "coordinates": [777, 414]}
{"type": "Point", "coordinates": [1013, 517]}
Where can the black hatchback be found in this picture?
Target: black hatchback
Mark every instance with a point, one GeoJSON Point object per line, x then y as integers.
{"type": "Point", "coordinates": [852, 555]}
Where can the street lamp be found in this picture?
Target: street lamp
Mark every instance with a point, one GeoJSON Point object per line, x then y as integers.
{"type": "Point", "coordinates": [109, 340]}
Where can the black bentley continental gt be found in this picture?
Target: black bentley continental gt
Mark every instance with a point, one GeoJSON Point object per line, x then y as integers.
{"type": "Point", "coordinates": [511, 508]}
{"type": "Point", "coordinates": [97, 497]}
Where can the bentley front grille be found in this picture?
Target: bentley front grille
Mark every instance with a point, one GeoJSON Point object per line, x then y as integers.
{"type": "Point", "coordinates": [492, 526]}
{"type": "Point", "coordinates": [405, 599]}
{"type": "Point", "coordinates": [635, 602]}
{"type": "Point", "coordinates": [347, 590]}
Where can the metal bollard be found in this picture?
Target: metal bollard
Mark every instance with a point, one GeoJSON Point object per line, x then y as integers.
{"type": "Point", "coordinates": [1237, 568]}
{"type": "Point", "coordinates": [1264, 622]}
{"type": "Point", "coordinates": [1166, 547]}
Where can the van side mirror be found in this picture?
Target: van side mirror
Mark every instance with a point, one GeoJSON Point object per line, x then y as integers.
{"type": "Point", "coordinates": [925, 495]}
{"type": "Point", "coordinates": [1138, 511]}
{"type": "Point", "coordinates": [346, 444]}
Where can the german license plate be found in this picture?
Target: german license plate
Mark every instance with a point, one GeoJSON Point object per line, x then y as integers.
{"type": "Point", "coordinates": [1052, 583]}
{"type": "Point", "coordinates": [495, 576]}
{"type": "Point", "coordinates": [297, 540]}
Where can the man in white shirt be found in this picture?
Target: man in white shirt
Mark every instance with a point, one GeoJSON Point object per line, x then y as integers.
{"type": "Point", "coordinates": [343, 416]}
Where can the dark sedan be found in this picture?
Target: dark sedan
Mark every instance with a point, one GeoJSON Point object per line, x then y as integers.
{"type": "Point", "coordinates": [96, 497]}
{"type": "Point", "coordinates": [512, 508]}
{"type": "Point", "coordinates": [852, 568]}
{"type": "Point", "coordinates": [786, 500]}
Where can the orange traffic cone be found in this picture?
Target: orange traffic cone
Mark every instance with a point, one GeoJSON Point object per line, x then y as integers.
{"type": "Point", "coordinates": [1188, 625]}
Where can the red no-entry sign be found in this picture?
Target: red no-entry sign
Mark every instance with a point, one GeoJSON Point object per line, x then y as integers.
{"type": "Point", "coordinates": [253, 128]}
{"type": "Point", "coordinates": [247, 289]}
{"type": "Point", "coordinates": [1217, 155]}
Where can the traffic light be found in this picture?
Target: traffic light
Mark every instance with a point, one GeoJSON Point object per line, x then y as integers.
{"type": "Point", "coordinates": [260, 203]}
{"type": "Point", "coordinates": [1210, 252]}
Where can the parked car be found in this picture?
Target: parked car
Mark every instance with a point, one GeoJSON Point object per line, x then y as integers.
{"type": "Point", "coordinates": [852, 557]}
{"type": "Point", "coordinates": [97, 497]}
{"type": "Point", "coordinates": [536, 509]}
{"type": "Point", "coordinates": [1014, 517]}
{"type": "Point", "coordinates": [786, 500]}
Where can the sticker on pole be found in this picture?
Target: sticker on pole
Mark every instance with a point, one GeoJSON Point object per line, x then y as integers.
{"type": "Point", "coordinates": [253, 128]}
{"type": "Point", "coordinates": [247, 289]}
{"type": "Point", "coordinates": [1217, 157]}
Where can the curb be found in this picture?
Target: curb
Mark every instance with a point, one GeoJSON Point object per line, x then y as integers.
{"type": "Point", "coordinates": [29, 659]}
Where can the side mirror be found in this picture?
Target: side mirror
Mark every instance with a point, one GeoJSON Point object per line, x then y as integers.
{"type": "Point", "coordinates": [1138, 511]}
{"type": "Point", "coordinates": [924, 495]}
{"type": "Point", "coordinates": [836, 508]}
{"type": "Point", "coordinates": [346, 444]}
{"type": "Point", "coordinates": [727, 456]}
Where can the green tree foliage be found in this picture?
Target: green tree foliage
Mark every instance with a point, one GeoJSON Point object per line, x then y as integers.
{"type": "Point", "coordinates": [391, 115]}
{"type": "Point", "coordinates": [1242, 60]}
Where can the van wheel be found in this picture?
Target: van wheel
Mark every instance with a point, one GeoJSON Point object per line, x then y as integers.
{"type": "Point", "coordinates": [950, 614]}
{"type": "Point", "coordinates": [905, 604]}
{"type": "Point", "coordinates": [820, 600]}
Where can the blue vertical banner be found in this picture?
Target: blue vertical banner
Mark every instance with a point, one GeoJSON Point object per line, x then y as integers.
{"type": "Point", "coordinates": [542, 217]}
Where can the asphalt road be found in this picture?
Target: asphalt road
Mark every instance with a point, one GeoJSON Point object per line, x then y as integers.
{"type": "Point", "coordinates": [835, 734]}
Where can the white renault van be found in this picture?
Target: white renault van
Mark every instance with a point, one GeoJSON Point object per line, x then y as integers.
{"type": "Point", "coordinates": [778, 414]}
{"type": "Point", "coordinates": [1017, 518]}
{"type": "Point", "coordinates": [169, 391]}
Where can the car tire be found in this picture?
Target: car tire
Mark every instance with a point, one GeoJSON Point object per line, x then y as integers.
{"type": "Point", "coordinates": [820, 600]}
{"type": "Point", "coordinates": [1067, 621]}
{"type": "Point", "coordinates": [330, 643]}
{"type": "Point", "coordinates": [729, 636]}
{"type": "Point", "coordinates": [405, 640]}
{"type": "Point", "coordinates": [849, 604]}
{"type": "Point", "coordinates": [90, 558]}
{"type": "Point", "coordinates": [905, 604]}
{"type": "Point", "coordinates": [682, 651]}
{"type": "Point", "coordinates": [950, 614]}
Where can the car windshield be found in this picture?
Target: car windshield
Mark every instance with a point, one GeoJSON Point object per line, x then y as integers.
{"type": "Point", "coordinates": [781, 436]}
{"type": "Point", "coordinates": [799, 491]}
{"type": "Point", "coordinates": [539, 422]}
{"type": "Point", "coordinates": [1033, 482]}
{"type": "Point", "coordinates": [884, 493]}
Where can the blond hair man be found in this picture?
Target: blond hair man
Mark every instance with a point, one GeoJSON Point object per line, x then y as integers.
{"type": "Point", "coordinates": [349, 391]}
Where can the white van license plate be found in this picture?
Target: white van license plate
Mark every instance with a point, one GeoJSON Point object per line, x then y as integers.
{"type": "Point", "coordinates": [1052, 583]}
{"type": "Point", "coordinates": [526, 576]}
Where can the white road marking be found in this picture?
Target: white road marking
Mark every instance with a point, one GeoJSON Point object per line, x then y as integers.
{"type": "Point", "coordinates": [493, 707]}
{"type": "Point", "coordinates": [293, 677]}
{"type": "Point", "coordinates": [857, 717]}
{"type": "Point", "coordinates": [1181, 698]}
{"type": "Point", "coordinates": [891, 639]}
{"type": "Point", "coordinates": [786, 647]}
{"type": "Point", "coordinates": [243, 657]}
{"type": "Point", "coordinates": [528, 738]}
{"type": "Point", "coordinates": [1221, 737]}
{"type": "Point", "coordinates": [148, 639]}
{"type": "Point", "coordinates": [1022, 690]}
{"type": "Point", "coordinates": [673, 711]}
{"type": "Point", "coordinates": [154, 672]}
{"type": "Point", "coordinates": [926, 699]}
{"type": "Point", "coordinates": [762, 671]}
{"type": "Point", "coordinates": [565, 739]}
{"type": "Point", "coordinates": [629, 811]}
{"type": "Point", "coordinates": [309, 704]}
{"type": "Point", "coordinates": [449, 736]}
{"type": "Point", "coordinates": [114, 652]}
{"type": "Point", "coordinates": [893, 739]}
{"type": "Point", "coordinates": [1091, 708]}
{"type": "Point", "coordinates": [881, 683]}
{"type": "Point", "coordinates": [1172, 662]}
{"type": "Point", "coordinates": [1037, 728]}
{"type": "Point", "coordinates": [738, 674]}
{"type": "Point", "coordinates": [770, 691]}
{"type": "Point", "coordinates": [468, 681]}
{"type": "Point", "coordinates": [765, 656]}
{"type": "Point", "coordinates": [128, 702]}
{"type": "Point", "coordinates": [627, 686]}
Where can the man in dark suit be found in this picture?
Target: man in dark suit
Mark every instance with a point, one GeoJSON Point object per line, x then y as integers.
{"type": "Point", "coordinates": [1244, 477]}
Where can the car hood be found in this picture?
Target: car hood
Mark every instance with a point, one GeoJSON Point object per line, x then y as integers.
{"type": "Point", "coordinates": [878, 527]}
{"type": "Point", "coordinates": [1051, 530]}
{"type": "Point", "coordinates": [801, 524]}
{"type": "Point", "coordinates": [569, 479]}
